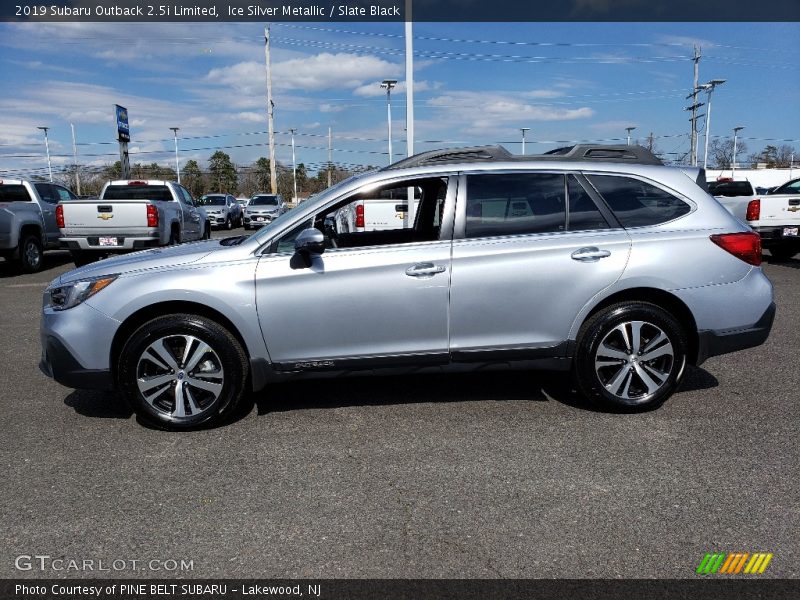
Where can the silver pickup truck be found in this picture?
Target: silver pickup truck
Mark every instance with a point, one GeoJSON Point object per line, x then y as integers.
{"type": "Point", "coordinates": [28, 221]}
{"type": "Point", "coordinates": [130, 215]}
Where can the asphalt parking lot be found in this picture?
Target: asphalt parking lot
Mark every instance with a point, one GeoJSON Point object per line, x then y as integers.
{"type": "Point", "coordinates": [482, 475]}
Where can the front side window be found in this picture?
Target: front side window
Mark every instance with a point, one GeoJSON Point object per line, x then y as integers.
{"type": "Point", "coordinates": [791, 187]}
{"type": "Point", "coordinates": [515, 204]}
{"type": "Point", "coordinates": [636, 203]}
{"type": "Point", "coordinates": [376, 217]}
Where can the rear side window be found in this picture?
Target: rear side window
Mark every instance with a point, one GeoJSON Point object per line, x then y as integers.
{"type": "Point", "coordinates": [636, 203]}
{"type": "Point", "coordinates": [730, 188]}
{"type": "Point", "coordinates": [515, 204]}
{"type": "Point", "coordinates": [45, 191]}
{"type": "Point", "coordinates": [14, 193]}
{"type": "Point", "coordinates": [583, 212]}
{"type": "Point", "coordinates": [790, 187]}
{"type": "Point", "coordinates": [131, 192]}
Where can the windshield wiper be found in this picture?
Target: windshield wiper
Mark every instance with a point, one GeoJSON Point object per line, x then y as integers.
{"type": "Point", "coordinates": [233, 241]}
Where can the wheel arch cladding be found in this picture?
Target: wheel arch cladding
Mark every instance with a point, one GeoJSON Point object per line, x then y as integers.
{"type": "Point", "coordinates": [143, 315]}
{"type": "Point", "coordinates": [662, 299]}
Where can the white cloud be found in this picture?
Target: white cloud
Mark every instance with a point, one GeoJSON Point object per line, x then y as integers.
{"type": "Point", "coordinates": [490, 109]}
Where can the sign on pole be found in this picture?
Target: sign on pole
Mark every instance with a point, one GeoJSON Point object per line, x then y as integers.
{"type": "Point", "coordinates": [123, 128]}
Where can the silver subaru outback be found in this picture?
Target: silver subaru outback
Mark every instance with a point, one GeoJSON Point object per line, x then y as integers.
{"type": "Point", "coordinates": [597, 260]}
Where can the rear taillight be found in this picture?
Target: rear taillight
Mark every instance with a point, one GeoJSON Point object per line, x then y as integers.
{"type": "Point", "coordinates": [745, 246]}
{"type": "Point", "coordinates": [753, 210]}
{"type": "Point", "coordinates": [152, 216]}
{"type": "Point", "coordinates": [359, 215]}
{"type": "Point", "coordinates": [60, 217]}
{"type": "Point", "coordinates": [137, 183]}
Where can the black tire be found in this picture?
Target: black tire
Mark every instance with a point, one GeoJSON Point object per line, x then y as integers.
{"type": "Point", "coordinates": [785, 252]}
{"type": "Point", "coordinates": [225, 361]}
{"type": "Point", "coordinates": [207, 231]}
{"type": "Point", "coordinates": [246, 227]}
{"type": "Point", "coordinates": [618, 379]}
{"type": "Point", "coordinates": [30, 254]}
{"type": "Point", "coordinates": [174, 237]}
{"type": "Point", "coordinates": [82, 259]}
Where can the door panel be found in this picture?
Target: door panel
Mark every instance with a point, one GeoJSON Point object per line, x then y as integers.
{"type": "Point", "coordinates": [356, 302]}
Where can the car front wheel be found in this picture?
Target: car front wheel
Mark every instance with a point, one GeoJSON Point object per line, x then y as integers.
{"type": "Point", "coordinates": [30, 254]}
{"type": "Point", "coordinates": [180, 371]}
{"type": "Point", "coordinates": [630, 356]}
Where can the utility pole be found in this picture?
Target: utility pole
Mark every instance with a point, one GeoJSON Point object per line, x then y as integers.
{"type": "Point", "coordinates": [389, 84]}
{"type": "Point", "coordinates": [47, 148]}
{"type": "Point", "coordinates": [330, 150]}
{"type": "Point", "coordinates": [295, 200]}
{"type": "Point", "coordinates": [177, 164]}
{"type": "Point", "coordinates": [736, 131]}
{"type": "Point", "coordinates": [75, 161]}
{"type": "Point", "coordinates": [709, 88]}
{"type": "Point", "coordinates": [695, 105]}
{"type": "Point", "coordinates": [628, 130]}
{"type": "Point", "coordinates": [273, 178]}
{"type": "Point", "coordinates": [650, 142]}
{"type": "Point", "coordinates": [523, 130]}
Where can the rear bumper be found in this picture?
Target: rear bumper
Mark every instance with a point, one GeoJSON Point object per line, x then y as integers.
{"type": "Point", "coordinates": [773, 236]}
{"type": "Point", "coordinates": [57, 362]}
{"type": "Point", "coordinates": [125, 244]}
{"type": "Point", "coordinates": [713, 343]}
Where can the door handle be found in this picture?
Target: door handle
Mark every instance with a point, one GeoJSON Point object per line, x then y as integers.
{"type": "Point", "coordinates": [424, 269]}
{"type": "Point", "coordinates": [589, 254]}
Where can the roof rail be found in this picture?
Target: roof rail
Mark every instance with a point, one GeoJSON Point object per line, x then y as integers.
{"type": "Point", "coordinates": [579, 152]}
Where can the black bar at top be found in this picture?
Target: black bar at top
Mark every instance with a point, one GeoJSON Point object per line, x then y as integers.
{"type": "Point", "coordinates": [330, 11]}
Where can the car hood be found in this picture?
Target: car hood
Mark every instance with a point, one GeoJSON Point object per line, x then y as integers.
{"type": "Point", "coordinates": [146, 259]}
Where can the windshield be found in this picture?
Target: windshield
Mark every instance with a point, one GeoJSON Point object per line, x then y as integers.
{"type": "Point", "coordinates": [211, 201]}
{"type": "Point", "coordinates": [287, 217]}
{"type": "Point", "coordinates": [264, 201]}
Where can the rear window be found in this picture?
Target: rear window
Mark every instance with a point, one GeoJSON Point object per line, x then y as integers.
{"type": "Point", "coordinates": [14, 193]}
{"type": "Point", "coordinates": [730, 188]}
{"type": "Point", "coordinates": [515, 204]}
{"type": "Point", "coordinates": [636, 203]}
{"type": "Point", "coordinates": [131, 192]}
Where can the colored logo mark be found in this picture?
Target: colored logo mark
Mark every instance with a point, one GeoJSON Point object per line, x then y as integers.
{"type": "Point", "coordinates": [734, 563]}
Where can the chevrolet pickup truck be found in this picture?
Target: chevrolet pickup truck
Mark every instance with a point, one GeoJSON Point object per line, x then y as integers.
{"type": "Point", "coordinates": [776, 217]}
{"type": "Point", "coordinates": [28, 222]}
{"type": "Point", "coordinates": [130, 215]}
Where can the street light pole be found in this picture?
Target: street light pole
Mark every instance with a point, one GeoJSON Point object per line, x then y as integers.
{"type": "Point", "coordinates": [47, 148]}
{"type": "Point", "coordinates": [709, 88]}
{"type": "Point", "coordinates": [294, 170]}
{"type": "Point", "coordinates": [736, 130]}
{"type": "Point", "coordinates": [177, 164]}
{"type": "Point", "coordinates": [523, 130]}
{"type": "Point", "coordinates": [389, 84]}
{"type": "Point", "coordinates": [628, 130]}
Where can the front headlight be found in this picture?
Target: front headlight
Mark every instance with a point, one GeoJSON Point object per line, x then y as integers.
{"type": "Point", "coordinates": [66, 296]}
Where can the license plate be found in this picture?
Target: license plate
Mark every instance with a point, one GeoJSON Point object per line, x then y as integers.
{"type": "Point", "coordinates": [109, 241]}
{"type": "Point", "coordinates": [790, 231]}
{"type": "Point", "coordinates": [259, 219]}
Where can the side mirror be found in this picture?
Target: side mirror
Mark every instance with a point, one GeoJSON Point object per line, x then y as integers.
{"type": "Point", "coordinates": [310, 241]}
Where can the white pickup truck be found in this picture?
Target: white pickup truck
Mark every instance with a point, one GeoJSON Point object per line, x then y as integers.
{"type": "Point", "coordinates": [130, 215]}
{"type": "Point", "coordinates": [776, 217]}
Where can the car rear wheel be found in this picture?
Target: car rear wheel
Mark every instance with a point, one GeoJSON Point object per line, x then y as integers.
{"type": "Point", "coordinates": [630, 356]}
{"type": "Point", "coordinates": [783, 252]}
{"type": "Point", "coordinates": [180, 371]}
{"type": "Point", "coordinates": [30, 254]}
{"type": "Point", "coordinates": [228, 224]}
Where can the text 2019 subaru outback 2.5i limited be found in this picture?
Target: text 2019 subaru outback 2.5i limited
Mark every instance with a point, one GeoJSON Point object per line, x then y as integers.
{"type": "Point", "coordinates": [598, 260]}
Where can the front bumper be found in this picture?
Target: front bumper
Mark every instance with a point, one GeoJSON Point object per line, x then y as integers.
{"type": "Point", "coordinates": [57, 362]}
{"type": "Point", "coordinates": [713, 343]}
{"type": "Point", "coordinates": [259, 220]}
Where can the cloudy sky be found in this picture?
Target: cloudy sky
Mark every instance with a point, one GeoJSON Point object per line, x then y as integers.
{"type": "Point", "coordinates": [475, 83]}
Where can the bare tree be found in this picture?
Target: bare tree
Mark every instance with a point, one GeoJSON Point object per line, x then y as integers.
{"type": "Point", "coordinates": [722, 152]}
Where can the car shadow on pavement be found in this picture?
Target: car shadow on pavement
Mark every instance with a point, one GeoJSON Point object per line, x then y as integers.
{"type": "Point", "coordinates": [792, 263]}
{"type": "Point", "coordinates": [99, 405]}
{"type": "Point", "coordinates": [51, 260]}
{"type": "Point", "coordinates": [538, 386]}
